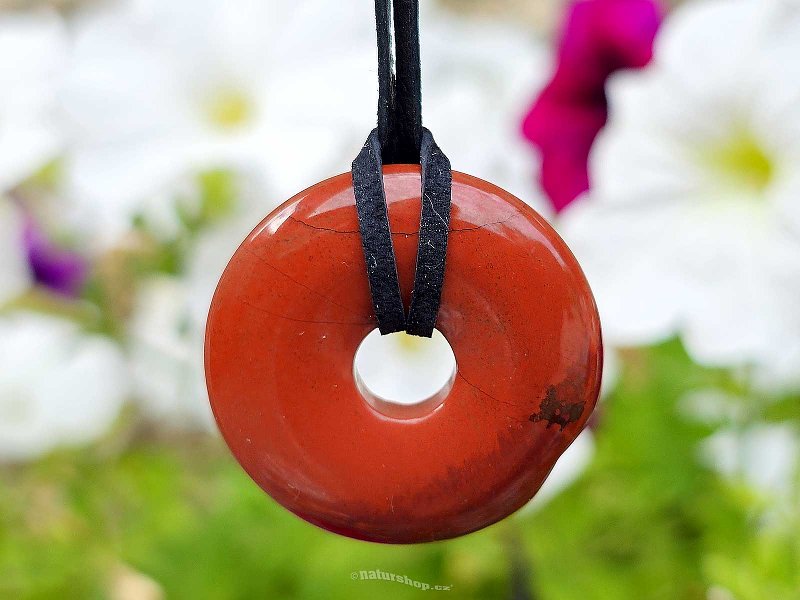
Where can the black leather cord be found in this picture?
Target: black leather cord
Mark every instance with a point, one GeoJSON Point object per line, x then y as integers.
{"type": "Point", "coordinates": [376, 238]}
{"type": "Point", "coordinates": [401, 139]}
{"type": "Point", "coordinates": [399, 87]}
{"type": "Point", "coordinates": [434, 228]}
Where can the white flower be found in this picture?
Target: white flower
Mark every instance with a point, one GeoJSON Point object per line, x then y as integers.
{"type": "Point", "coordinates": [611, 372]}
{"type": "Point", "coordinates": [403, 369]}
{"type": "Point", "coordinates": [693, 223]}
{"type": "Point", "coordinates": [15, 275]}
{"type": "Point", "coordinates": [214, 247]}
{"type": "Point", "coordinates": [478, 79]}
{"type": "Point", "coordinates": [161, 89]}
{"type": "Point", "coordinates": [58, 385]}
{"type": "Point", "coordinates": [568, 468]}
{"type": "Point", "coordinates": [168, 324]}
{"type": "Point", "coordinates": [32, 52]}
{"type": "Point", "coordinates": [766, 457]}
{"type": "Point", "coordinates": [166, 354]}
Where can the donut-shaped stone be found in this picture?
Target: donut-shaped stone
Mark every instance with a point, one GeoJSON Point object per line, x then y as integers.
{"type": "Point", "coordinates": [291, 309]}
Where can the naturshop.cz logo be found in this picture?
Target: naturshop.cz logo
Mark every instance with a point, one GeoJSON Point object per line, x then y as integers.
{"type": "Point", "coordinates": [377, 574]}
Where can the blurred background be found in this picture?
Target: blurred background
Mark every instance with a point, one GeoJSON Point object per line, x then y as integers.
{"type": "Point", "coordinates": [141, 140]}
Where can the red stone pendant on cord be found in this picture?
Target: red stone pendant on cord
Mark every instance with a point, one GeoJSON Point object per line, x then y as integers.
{"type": "Point", "coordinates": [292, 307]}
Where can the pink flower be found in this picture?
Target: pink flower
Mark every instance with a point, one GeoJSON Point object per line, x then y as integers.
{"type": "Point", "coordinates": [598, 38]}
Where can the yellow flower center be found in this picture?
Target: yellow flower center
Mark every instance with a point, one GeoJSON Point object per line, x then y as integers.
{"type": "Point", "coordinates": [409, 344]}
{"type": "Point", "coordinates": [229, 109]}
{"type": "Point", "coordinates": [743, 162]}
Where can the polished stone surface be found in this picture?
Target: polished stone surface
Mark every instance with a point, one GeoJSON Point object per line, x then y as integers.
{"type": "Point", "coordinates": [291, 309]}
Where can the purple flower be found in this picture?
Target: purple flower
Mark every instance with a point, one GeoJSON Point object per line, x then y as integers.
{"type": "Point", "coordinates": [598, 38]}
{"type": "Point", "coordinates": [59, 270]}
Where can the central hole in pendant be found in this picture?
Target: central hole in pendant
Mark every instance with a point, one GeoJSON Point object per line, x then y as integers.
{"type": "Point", "coordinates": [404, 376]}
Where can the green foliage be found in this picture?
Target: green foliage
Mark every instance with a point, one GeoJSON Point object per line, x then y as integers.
{"type": "Point", "coordinates": [646, 521]}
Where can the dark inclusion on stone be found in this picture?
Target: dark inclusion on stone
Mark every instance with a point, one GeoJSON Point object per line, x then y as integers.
{"type": "Point", "coordinates": [557, 412]}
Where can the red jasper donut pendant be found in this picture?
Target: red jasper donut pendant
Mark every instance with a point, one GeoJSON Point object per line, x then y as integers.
{"type": "Point", "coordinates": [294, 304]}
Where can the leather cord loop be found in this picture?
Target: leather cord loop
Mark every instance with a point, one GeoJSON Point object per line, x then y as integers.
{"type": "Point", "coordinates": [400, 138]}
